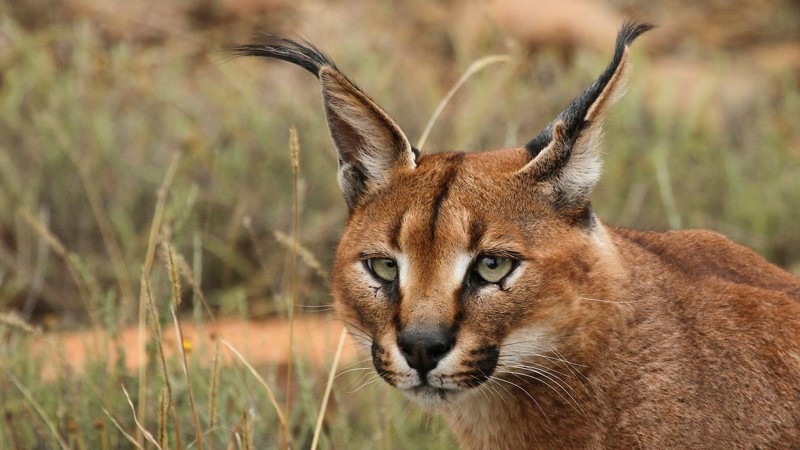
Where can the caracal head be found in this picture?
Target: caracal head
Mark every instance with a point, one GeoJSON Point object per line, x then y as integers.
{"type": "Point", "coordinates": [455, 269]}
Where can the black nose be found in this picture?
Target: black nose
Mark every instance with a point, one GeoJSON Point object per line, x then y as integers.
{"type": "Point", "coordinates": [423, 347]}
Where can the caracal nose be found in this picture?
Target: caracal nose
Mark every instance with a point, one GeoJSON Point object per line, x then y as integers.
{"type": "Point", "coordinates": [424, 347]}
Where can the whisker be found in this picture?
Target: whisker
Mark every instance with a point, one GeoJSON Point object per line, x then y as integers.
{"type": "Point", "coordinates": [569, 365]}
{"type": "Point", "coordinates": [618, 302]}
{"type": "Point", "coordinates": [497, 393]}
{"type": "Point", "coordinates": [354, 369]}
{"type": "Point", "coordinates": [359, 381]}
{"type": "Point", "coordinates": [362, 361]}
{"type": "Point", "coordinates": [351, 326]}
{"type": "Point", "coordinates": [574, 403]}
{"type": "Point", "coordinates": [559, 358]}
{"type": "Point", "coordinates": [526, 393]}
{"type": "Point", "coordinates": [367, 383]}
{"type": "Point", "coordinates": [315, 308]}
{"type": "Point", "coordinates": [532, 341]}
{"type": "Point", "coordinates": [533, 366]}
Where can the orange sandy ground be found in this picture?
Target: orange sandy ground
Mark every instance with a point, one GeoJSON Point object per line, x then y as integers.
{"type": "Point", "coordinates": [260, 342]}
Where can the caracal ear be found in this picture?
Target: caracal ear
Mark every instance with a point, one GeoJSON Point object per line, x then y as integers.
{"type": "Point", "coordinates": [369, 143]}
{"type": "Point", "coordinates": [566, 154]}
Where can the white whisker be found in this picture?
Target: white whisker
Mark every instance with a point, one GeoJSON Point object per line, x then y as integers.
{"type": "Point", "coordinates": [617, 302]}
{"type": "Point", "coordinates": [571, 401]}
{"type": "Point", "coordinates": [523, 390]}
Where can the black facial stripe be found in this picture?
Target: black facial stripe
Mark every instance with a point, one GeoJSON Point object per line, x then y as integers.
{"type": "Point", "coordinates": [444, 189]}
{"type": "Point", "coordinates": [396, 321]}
{"type": "Point", "coordinates": [488, 351]}
{"type": "Point", "coordinates": [377, 361]}
{"type": "Point", "coordinates": [476, 231]}
{"type": "Point", "coordinates": [478, 370]}
{"type": "Point", "coordinates": [484, 365]}
{"type": "Point", "coordinates": [394, 231]}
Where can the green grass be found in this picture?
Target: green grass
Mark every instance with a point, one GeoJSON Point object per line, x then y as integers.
{"type": "Point", "coordinates": [90, 125]}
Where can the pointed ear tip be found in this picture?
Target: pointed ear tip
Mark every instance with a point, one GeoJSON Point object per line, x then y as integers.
{"type": "Point", "coordinates": [632, 29]}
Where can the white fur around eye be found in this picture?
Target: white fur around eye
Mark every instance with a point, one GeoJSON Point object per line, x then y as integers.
{"type": "Point", "coordinates": [512, 277]}
{"type": "Point", "coordinates": [461, 267]}
{"type": "Point", "coordinates": [402, 270]}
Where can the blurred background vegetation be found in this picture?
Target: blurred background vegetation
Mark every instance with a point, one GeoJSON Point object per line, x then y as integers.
{"type": "Point", "coordinates": [100, 99]}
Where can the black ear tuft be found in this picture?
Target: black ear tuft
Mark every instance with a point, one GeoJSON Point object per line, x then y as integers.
{"type": "Point", "coordinates": [302, 54]}
{"type": "Point", "coordinates": [575, 115]}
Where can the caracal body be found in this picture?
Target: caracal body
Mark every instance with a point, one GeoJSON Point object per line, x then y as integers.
{"type": "Point", "coordinates": [484, 286]}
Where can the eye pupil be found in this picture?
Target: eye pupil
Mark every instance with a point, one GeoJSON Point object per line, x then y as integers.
{"type": "Point", "coordinates": [490, 262]}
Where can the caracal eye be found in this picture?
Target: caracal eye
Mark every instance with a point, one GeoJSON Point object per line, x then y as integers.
{"type": "Point", "coordinates": [383, 268]}
{"type": "Point", "coordinates": [493, 268]}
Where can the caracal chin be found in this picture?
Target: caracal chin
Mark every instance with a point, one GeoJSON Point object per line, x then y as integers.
{"type": "Point", "coordinates": [484, 286]}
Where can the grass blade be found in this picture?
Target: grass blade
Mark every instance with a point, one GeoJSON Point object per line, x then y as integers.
{"type": "Point", "coordinates": [155, 225]}
{"type": "Point", "coordinates": [270, 395]}
{"type": "Point", "coordinates": [294, 149]}
{"type": "Point", "coordinates": [473, 68]}
{"type": "Point", "coordinates": [195, 417]}
{"type": "Point", "coordinates": [39, 410]}
{"type": "Point", "coordinates": [328, 389]}
{"type": "Point", "coordinates": [127, 435]}
{"type": "Point", "coordinates": [212, 407]}
{"type": "Point", "coordinates": [141, 428]}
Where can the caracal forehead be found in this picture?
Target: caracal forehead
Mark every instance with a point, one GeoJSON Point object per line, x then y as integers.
{"type": "Point", "coordinates": [445, 204]}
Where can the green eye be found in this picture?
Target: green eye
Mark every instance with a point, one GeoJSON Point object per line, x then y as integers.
{"type": "Point", "coordinates": [492, 268]}
{"type": "Point", "coordinates": [383, 268]}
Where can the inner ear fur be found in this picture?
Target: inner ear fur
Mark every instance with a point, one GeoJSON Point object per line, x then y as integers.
{"type": "Point", "coordinates": [566, 154]}
{"type": "Point", "coordinates": [369, 143]}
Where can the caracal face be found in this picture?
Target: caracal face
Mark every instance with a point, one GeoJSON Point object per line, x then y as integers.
{"type": "Point", "coordinates": [484, 275]}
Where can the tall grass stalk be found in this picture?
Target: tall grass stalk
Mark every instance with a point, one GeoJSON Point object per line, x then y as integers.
{"type": "Point", "coordinates": [197, 292]}
{"type": "Point", "coordinates": [212, 395]}
{"type": "Point", "coordinates": [473, 68]}
{"type": "Point", "coordinates": [328, 388]}
{"type": "Point", "coordinates": [175, 281]}
{"type": "Point", "coordinates": [133, 440]}
{"type": "Point", "coordinates": [139, 426]}
{"type": "Point", "coordinates": [100, 426]}
{"type": "Point", "coordinates": [185, 365]}
{"type": "Point", "coordinates": [270, 394]}
{"type": "Point", "coordinates": [15, 322]}
{"type": "Point", "coordinates": [164, 405]}
{"type": "Point", "coordinates": [39, 410]}
{"type": "Point", "coordinates": [305, 255]}
{"type": "Point", "coordinates": [247, 440]}
{"type": "Point", "coordinates": [155, 226]}
{"type": "Point", "coordinates": [665, 187]}
{"type": "Point", "coordinates": [294, 150]}
{"type": "Point", "coordinates": [156, 326]}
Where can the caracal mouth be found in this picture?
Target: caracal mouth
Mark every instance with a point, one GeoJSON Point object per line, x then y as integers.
{"type": "Point", "coordinates": [431, 396]}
